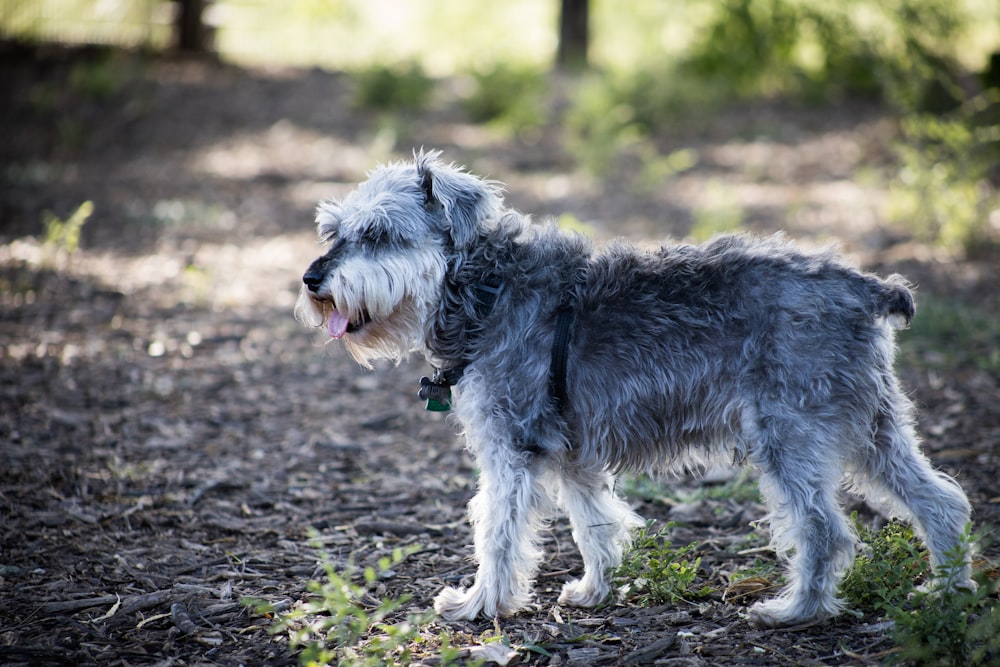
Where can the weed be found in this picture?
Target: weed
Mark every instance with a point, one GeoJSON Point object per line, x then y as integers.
{"type": "Point", "coordinates": [938, 624]}
{"type": "Point", "coordinates": [946, 625]}
{"type": "Point", "coordinates": [882, 578]}
{"type": "Point", "coordinates": [64, 235]}
{"type": "Point", "coordinates": [656, 168]}
{"type": "Point", "coordinates": [600, 123]}
{"type": "Point", "coordinates": [654, 572]}
{"type": "Point", "coordinates": [341, 622]}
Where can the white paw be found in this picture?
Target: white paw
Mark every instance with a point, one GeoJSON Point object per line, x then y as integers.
{"type": "Point", "coordinates": [784, 611]}
{"type": "Point", "coordinates": [581, 593]}
{"type": "Point", "coordinates": [948, 584]}
{"type": "Point", "coordinates": [772, 614]}
{"type": "Point", "coordinates": [455, 604]}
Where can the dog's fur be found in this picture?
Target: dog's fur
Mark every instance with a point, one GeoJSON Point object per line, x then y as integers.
{"type": "Point", "coordinates": [743, 349]}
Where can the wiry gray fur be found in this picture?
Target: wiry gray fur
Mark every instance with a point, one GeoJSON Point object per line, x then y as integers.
{"type": "Point", "coordinates": [742, 348]}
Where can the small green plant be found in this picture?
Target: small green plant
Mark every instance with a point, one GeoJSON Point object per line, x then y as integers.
{"type": "Point", "coordinates": [882, 578]}
{"type": "Point", "coordinates": [64, 235]}
{"type": "Point", "coordinates": [937, 624]}
{"type": "Point", "coordinates": [947, 625]}
{"type": "Point", "coordinates": [393, 87]}
{"type": "Point", "coordinates": [341, 623]}
{"type": "Point", "coordinates": [655, 572]}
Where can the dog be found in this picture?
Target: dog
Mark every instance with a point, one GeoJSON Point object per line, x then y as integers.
{"type": "Point", "coordinates": [570, 365]}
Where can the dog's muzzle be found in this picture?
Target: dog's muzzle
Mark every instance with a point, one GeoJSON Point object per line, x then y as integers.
{"type": "Point", "coordinates": [337, 324]}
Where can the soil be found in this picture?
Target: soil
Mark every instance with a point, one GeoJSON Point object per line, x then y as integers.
{"type": "Point", "coordinates": [172, 442]}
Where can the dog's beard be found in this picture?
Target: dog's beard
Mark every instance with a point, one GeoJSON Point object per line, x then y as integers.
{"type": "Point", "coordinates": [386, 302]}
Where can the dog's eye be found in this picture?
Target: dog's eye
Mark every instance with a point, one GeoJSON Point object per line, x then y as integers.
{"type": "Point", "coordinates": [377, 236]}
{"type": "Point", "coordinates": [328, 236]}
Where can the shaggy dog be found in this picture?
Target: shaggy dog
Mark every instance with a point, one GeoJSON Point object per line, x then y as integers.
{"type": "Point", "coordinates": [570, 365]}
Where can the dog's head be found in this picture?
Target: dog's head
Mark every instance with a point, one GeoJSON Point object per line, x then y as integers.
{"type": "Point", "coordinates": [388, 246]}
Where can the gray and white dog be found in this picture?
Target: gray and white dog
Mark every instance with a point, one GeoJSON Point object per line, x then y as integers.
{"type": "Point", "coordinates": [570, 365]}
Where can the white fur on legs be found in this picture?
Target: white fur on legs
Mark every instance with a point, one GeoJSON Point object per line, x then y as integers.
{"type": "Point", "coordinates": [810, 529]}
{"type": "Point", "coordinates": [504, 519]}
{"type": "Point", "coordinates": [602, 525]}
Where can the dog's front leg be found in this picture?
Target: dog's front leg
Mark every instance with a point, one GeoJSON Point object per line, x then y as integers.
{"type": "Point", "coordinates": [503, 515]}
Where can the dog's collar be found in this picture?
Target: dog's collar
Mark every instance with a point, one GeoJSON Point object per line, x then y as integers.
{"type": "Point", "coordinates": [436, 390]}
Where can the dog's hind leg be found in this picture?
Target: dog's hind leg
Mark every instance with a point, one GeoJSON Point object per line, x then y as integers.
{"type": "Point", "coordinates": [602, 524]}
{"type": "Point", "coordinates": [504, 516]}
{"type": "Point", "coordinates": [895, 473]}
{"type": "Point", "coordinates": [799, 482]}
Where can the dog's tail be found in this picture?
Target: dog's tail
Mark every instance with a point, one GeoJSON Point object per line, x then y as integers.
{"type": "Point", "coordinates": [894, 301]}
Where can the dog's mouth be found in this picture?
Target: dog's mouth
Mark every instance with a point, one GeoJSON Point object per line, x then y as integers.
{"type": "Point", "coordinates": [337, 324]}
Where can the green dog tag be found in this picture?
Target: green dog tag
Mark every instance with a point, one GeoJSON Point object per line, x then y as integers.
{"type": "Point", "coordinates": [437, 395]}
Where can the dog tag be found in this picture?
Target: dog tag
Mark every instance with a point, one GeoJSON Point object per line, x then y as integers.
{"type": "Point", "coordinates": [437, 395]}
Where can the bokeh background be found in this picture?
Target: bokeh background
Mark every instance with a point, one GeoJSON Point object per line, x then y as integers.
{"type": "Point", "coordinates": [184, 469]}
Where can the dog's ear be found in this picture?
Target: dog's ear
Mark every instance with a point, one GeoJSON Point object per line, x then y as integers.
{"type": "Point", "coordinates": [465, 201]}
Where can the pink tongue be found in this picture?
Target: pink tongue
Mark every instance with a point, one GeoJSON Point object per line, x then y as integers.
{"type": "Point", "coordinates": [337, 324]}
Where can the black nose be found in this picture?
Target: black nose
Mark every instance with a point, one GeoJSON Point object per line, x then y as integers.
{"type": "Point", "coordinates": [313, 278]}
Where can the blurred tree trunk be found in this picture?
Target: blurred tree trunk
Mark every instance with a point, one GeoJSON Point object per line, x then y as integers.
{"type": "Point", "coordinates": [574, 34]}
{"type": "Point", "coordinates": [190, 28]}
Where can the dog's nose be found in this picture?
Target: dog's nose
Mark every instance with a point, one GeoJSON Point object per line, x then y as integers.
{"type": "Point", "coordinates": [313, 278]}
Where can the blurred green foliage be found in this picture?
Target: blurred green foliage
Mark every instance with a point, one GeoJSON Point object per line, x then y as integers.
{"type": "Point", "coordinates": [655, 66]}
{"type": "Point", "coordinates": [942, 191]}
{"type": "Point", "coordinates": [508, 95]}
{"type": "Point", "coordinates": [404, 86]}
{"type": "Point", "coordinates": [815, 48]}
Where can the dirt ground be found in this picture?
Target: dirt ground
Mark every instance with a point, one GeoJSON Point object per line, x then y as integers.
{"type": "Point", "coordinates": [169, 435]}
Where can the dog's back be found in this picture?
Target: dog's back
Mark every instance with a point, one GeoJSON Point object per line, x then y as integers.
{"type": "Point", "coordinates": [708, 334]}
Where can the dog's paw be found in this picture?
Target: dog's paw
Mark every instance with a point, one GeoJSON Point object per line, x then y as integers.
{"type": "Point", "coordinates": [775, 613]}
{"type": "Point", "coordinates": [949, 583]}
{"type": "Point", "coordinates": [581, 593]}
{"type": "Point", "coordinates": [456, 604]}
{"type": "Point", "coordinates": [784, 611]}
